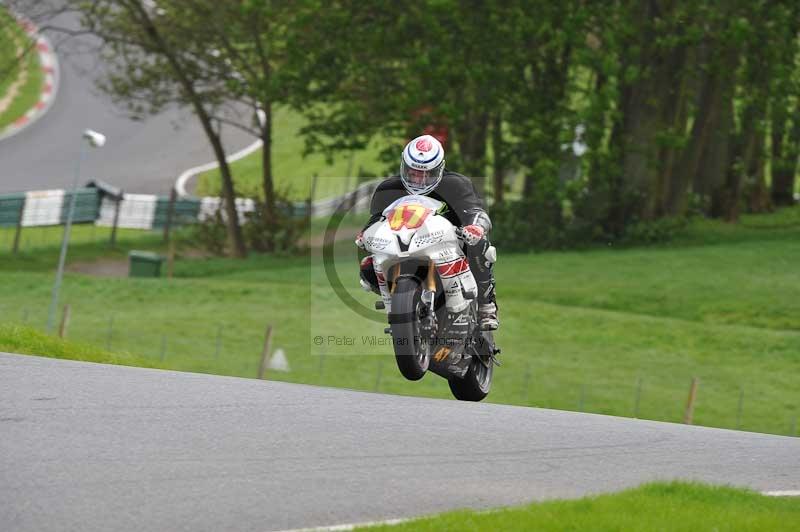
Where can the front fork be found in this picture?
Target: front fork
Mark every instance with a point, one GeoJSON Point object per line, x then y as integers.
{"type": "Point", "coordinates": [428, 296]}
{"type": "Point", "coordinates": [428, 323]}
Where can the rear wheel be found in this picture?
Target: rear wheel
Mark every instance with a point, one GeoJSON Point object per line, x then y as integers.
{"type": "Point", "coordinates": [410, 352]}
{"type": "Point", "coordinates": [477, 382]}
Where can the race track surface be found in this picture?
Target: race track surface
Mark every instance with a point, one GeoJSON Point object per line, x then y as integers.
{"type": "Point", "coordinates": [94, 447]}
{"type": "Point", "coordinates": [144, 156]}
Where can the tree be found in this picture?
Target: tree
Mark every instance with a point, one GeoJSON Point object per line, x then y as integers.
{"type": "Point", "coordinates": [155, 59]}
{"type": "Point", "coordinates": [431, 62]}
{"type": "Point", "coordinates": [785, 107]}
{"type": "Point", "coordinates": [252, 45]}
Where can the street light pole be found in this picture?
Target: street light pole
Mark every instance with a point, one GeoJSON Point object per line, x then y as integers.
{"type": "Point", "coordinates": [96, 140]}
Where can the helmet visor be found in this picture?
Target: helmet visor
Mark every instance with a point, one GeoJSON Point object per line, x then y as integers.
{"type": "Point", "coordinates": [420, 179]}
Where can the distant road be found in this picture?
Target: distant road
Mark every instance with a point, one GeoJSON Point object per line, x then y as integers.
{"type": "Point", "coordinates": [92, 447]}
{"type": "Point", "coordinates": [142, 156]}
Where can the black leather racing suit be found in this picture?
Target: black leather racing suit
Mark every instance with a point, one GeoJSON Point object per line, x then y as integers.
{"type": "Point", "coordinates": [464, 207]}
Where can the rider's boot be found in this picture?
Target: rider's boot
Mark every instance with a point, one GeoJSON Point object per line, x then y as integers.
{"type": "Point", "coordinates": [481, 258]}
{"type": "Point", "coordinates": [487, 306]}
{"type": "Point", "coordinates": [368, 277]}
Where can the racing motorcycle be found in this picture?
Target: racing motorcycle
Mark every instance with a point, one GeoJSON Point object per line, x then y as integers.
{"type": "Point", "coordinates": [430, 297]}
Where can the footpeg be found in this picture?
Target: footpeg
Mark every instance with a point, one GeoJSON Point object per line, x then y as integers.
{"type": "Point", "coordinates": [380, 305]}
{"type": "Point", "coordinates": [388, 330]}
{"type": "Point", "coordinates": [493, 357]}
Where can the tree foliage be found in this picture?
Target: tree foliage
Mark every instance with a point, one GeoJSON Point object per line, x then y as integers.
{"type": "Point", "coordinates": [687, 107]}
{"type": "Point", "coordinates": [686, 104]}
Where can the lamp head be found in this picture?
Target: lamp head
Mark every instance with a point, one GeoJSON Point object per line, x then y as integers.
{"type": "Point", "coordinates": [97, 140]}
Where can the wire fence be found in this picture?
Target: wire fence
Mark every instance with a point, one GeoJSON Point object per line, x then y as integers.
{"type": "Point", "coordinates": [237, 348]}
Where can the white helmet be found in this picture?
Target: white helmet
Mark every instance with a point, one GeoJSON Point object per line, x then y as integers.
{"type": "Point", "coordinates": [422, 164]}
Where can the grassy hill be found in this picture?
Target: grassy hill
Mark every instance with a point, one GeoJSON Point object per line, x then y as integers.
{"type": "Point", "coordinates": [662, 506]}
{"type": "Point", "coordinates": [614, 331]}
{"type": "Point", "coordinates": [293, 172]}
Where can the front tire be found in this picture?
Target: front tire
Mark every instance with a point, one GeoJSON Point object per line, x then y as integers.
{"type": "Point", "coordinates": [410, 352]}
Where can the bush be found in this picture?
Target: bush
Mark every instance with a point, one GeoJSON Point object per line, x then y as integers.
{"type": "Point", "coordinates": [211, 234]}
{"type": "Point", "coordinates": [577, 214]}
{"type": "Point", "coordinates": [653, 231]}
{"type": "Point", "coordinates": [280, 232]}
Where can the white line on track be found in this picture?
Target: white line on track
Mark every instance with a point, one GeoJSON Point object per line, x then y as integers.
{"type": "Point", "coordinates": [347, 526]}
{"type": "Point", "coordinates": [782, 493]}
{"type": "Point", "coordinates": [180, 183]}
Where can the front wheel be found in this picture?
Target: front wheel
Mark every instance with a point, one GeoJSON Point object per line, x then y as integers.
{"type": "Point", "coordinates": [410, 352]}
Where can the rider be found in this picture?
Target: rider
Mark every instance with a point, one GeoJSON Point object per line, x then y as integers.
{"type": "Point", "coordinates": [422, 172]}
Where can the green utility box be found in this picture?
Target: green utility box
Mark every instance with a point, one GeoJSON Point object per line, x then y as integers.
{"type": "Point", "coordinates": [144, 264]}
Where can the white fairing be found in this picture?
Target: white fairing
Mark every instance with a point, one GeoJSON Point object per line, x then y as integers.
{"type": "Point", "coordinates": [434, 239]}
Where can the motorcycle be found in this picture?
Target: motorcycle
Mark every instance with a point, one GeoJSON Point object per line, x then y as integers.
{"type": "Point", "coordinates": [430, 297]}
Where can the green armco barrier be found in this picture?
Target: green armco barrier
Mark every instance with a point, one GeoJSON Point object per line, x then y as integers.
{"type": "Point", "coordinates": [300, 209]}
{"type": "Point", "coordinates": [186, 212]}
{"type": "Point", "coordinates": [87, 206]}
{"type": "Point", "coordinates": [10, 205]}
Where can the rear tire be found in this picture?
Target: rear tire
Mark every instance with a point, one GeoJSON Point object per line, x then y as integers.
{"type": "Point", "coordinates": [411, 354]}
{"type": "Point", "coordinates": [477, 383]}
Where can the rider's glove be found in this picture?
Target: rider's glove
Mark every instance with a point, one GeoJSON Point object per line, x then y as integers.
{"type": "Point", "coordinates": [472, 234]}
{"type": "Point", "coordinates": [360, 240]}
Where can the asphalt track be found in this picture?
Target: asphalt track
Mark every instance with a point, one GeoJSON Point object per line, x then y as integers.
{"type": "Point", "coordinates": [140, 156]}
{"type": "Point", "coordinates": [94, 447]}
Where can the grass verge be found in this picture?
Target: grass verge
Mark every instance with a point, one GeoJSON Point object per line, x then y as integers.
{"type": "Point", "coordinates": [618, 332]}
{"type": "Point", "coordinates": [28, 341]}
{"type": "Point", "coordinates": [665, 507]}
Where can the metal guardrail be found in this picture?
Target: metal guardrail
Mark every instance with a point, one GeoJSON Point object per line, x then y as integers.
{"type": "Point", "coordinates": [106, 207]}
{"type": "Point", "coordinates": [47, 207]}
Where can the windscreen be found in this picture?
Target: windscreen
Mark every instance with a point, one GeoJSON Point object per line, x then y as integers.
{"type": "Point", "coordinates": [425, 201]}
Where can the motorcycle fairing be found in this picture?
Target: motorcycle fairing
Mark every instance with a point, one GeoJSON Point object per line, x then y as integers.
{"type": "Point", "coordinates": [452, 266]}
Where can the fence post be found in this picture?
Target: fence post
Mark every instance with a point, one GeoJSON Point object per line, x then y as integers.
{"type": "Point", "coordinates": [321, 363]}
{"type": "Point", "coordinates": [689, 415]}
{"type": "Point", "coordinates": [109, 332]}
{"type": "Point", "coordinates": [170, 258]}
{"type": "Point", "coordinates": [527, 382]}
{"type": "Point", "coordinates": [117, 208]}
{"type": "Point", "coordinates": [380, 373]}
{"type": "Point", "coordinates": [173, 197]}
{"type": "Point", "coordinates": [62, 329]}
{"type": "Point", "coordinates": [739, 409]}
{"type": "Point", "coordinates": [18, 232]}
{"type": "Point", "coordinates": [310, 200]}
{"type": "Point", "coordinates": [582, 398]}
{"type": "Point", "coordinates": [262, 370]}
{"type": "Point", "coordinates": [219, 341]}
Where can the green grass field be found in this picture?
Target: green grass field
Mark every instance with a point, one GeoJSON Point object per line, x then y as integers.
{"type": "Point", "coordinates": [11, 36]}
{"type": "Point", "coordinates": [674, 506]}
{"type": "Point", "coordinates": [28, 341]}
{"type": "Point", "coordinates": [293, 174]}
{"type": "Point", "coordinates": [618, 332]}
